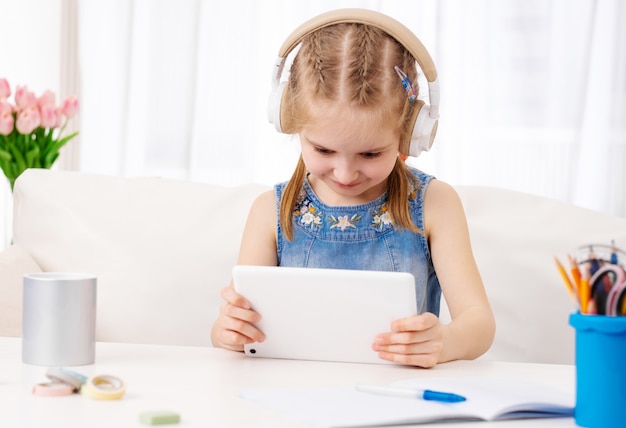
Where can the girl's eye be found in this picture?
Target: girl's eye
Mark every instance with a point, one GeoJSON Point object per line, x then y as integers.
{"type": "Point", "coordinates": [323, 151]}
{"type": "Point", "coordinates": [369, 155]}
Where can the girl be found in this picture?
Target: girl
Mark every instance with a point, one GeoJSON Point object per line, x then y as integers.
{"type": "Point", "coordinates": [353, 203]}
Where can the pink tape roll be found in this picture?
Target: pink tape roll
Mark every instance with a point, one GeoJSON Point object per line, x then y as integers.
{"type": "Point", "coordinates": [52, 389]}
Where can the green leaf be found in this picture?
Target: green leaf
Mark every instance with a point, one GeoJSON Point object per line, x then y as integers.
{"type": "Point", "coordinates": [50, 159]}
{"type": "Point", "coordinates": [5, 155]}
{"type": "Point", "coordinates": [5, 162]}
{"type": "Point", "coordinates": [51, 154]}
{"type": "Point", "coordinates": [20, 162]}
{"type": "Point", "coordinates": [4, 141]}
{"type": "Point", "coordinates": [65, 139]}
{"type": "Point", "coordinates": [32, 157]}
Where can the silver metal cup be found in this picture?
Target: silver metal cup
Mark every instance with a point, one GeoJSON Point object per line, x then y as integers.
{"type": "Point", "coordinates": [59, 319]}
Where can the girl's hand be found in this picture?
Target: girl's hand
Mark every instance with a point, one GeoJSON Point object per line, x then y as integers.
{"type": "Point", "coordinates": [234, 325]}
{"type": "Point", "coordinates": [415, 341]}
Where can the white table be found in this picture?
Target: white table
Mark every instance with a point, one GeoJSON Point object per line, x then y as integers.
{"type": "Point", "coordinates": [202, 384]}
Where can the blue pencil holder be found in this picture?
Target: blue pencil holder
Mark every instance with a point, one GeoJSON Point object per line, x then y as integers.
{"type": "Point", "coordinates": [600, 370]}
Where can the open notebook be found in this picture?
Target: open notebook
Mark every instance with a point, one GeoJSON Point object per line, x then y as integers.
{"type": "Point", "coordinates": [487, 400]}
{"type": "Point", "coordinates": [324, 314]}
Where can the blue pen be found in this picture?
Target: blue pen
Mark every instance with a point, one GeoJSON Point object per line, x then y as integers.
{"type": "Point", "coordinates": [399, 391]}
{"type": "Point", "coordinates": [613, 252]}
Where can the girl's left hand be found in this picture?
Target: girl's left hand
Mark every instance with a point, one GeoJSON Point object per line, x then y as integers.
{"type": "Point", "coordinates": [415, 341]}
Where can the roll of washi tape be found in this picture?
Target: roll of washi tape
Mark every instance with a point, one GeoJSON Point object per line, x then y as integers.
{"type": "Point", "coordinates": [81, 376]}
{"type": "Point", "coordinates": [57, 374]}
{"type": "Point", "coordinates": [53, 389]}
{"type": "Point", "coordinates": [104, 387]}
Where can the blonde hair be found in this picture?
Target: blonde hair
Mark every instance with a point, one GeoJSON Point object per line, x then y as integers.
{"type": "Point", "coordinates": [354, 64]}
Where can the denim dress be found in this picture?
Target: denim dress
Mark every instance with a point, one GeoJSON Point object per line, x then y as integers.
{"type": "Point", "coordinates": [360, 237]}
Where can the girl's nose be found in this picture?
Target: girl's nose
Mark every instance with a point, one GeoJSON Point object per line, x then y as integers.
{"type": "Point", "coordinates": [345, 172]}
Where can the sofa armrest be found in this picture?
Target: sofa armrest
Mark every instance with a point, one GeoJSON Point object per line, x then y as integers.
{"type": "Point", "coordinates": [14, 263]}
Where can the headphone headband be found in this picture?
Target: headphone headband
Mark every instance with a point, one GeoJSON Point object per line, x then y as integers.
{"type": "Point", "coordinates": [364, 16]}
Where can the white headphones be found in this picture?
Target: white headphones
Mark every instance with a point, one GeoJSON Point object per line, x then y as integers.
{"type": "Point", "coordinates": [426, 116]}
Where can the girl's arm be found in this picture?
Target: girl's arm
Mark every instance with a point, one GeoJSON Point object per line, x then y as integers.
{"type": "Point", "coordinates": [234, 325]}
{"type": "Point", "coordinates": [472, 329]}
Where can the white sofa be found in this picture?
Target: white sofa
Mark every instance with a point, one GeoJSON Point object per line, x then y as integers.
{"type": "Point", "coordinates": [163, 248]}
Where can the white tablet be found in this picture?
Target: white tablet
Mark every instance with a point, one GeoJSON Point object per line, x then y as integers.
{"type": "Point", "coordinates": [323, 314]}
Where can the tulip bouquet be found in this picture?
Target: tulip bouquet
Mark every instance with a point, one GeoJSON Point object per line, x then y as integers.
{"type": "Point", "coordinates": [31, 129]}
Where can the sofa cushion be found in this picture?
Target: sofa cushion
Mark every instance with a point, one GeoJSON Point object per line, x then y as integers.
{"type": "Point", "coordinates": [161, 248]}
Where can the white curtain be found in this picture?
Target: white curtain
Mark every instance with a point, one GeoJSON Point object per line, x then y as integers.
{"type": "Point", "coordinates": [535, 98]}
{"type": "Point", "coordinates": [533, 91]}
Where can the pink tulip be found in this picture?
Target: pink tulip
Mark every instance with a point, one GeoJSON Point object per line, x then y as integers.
{"type": "Point", "coordinates": [24, 98]}
{"type": "Point", "coordinates": [70, 106]}
{"type": "Point", "coordinates": [28, 120]}
{"type": "Point", "coordinates": [5, 89]}
{"type": "Point", "coordinates": [48, 99]}
{"type": "Point", "coordinates": [6, 118]}
{"type": "Point", "coordinates": [59, 116]}
{"type": "Point", "coordinates": [48, 116]}
{"type": "Point", "coordinates": [5, 107]}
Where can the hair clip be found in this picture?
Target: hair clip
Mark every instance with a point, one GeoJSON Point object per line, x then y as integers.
{"type": "Point", "coordinates": [406, 82]}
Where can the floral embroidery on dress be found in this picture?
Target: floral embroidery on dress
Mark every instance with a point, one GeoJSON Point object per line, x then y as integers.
{"type": "Point", "coordinates": [309, 215]}
{"type": "Point", "coordinates": [343, 222]}
{"type": "Point", "coordinates": [381, 218]}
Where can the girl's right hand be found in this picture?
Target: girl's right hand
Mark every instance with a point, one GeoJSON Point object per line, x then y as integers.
{"type": "Point", "coordinates": [234, 326]}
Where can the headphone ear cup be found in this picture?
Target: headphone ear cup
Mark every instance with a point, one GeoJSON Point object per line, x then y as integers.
{"type": "Point", "coordinates": [424, 131]}
{"type": "Point", "coordinates": [274, 106]}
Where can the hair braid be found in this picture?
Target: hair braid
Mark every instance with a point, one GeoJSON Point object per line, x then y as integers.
{"type": "Point", "coordinates": [317, 63]}
{"type": "Point", "coordinates": [364, 47]}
